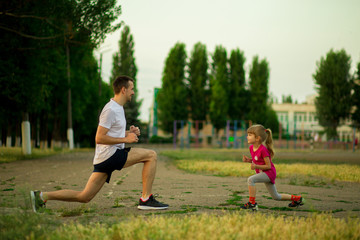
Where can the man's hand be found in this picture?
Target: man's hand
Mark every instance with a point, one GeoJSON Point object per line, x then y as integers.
{"type": "Point", "coordinates": [135, 130]}
{"type": "Point", "coordinates": [132, 138]}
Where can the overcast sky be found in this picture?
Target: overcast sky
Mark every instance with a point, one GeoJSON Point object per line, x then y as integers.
{"type": "Point", "coordinates": [291, 35]}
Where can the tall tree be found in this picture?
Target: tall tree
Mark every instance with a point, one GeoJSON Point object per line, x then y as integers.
{"type": "Point", "coordinates": [219, 87]}
{"type": "Point", "coordinates": [33, 37]}
{"type": "Point", "coordinates": [238, 96]}
{"type": "Point", "coordinates": [332, 78]}
{"type": "Point", "coordinates": [356, 98]}
{"type": "Point", "coordinates": [287, 99]}
{"type": "Point", "coordinates": [259, 80]}
{"type": "Point", "coordinates": [124, 64]}
{"type": "Point", "coordinates": [198, 80]}
{"type": "Point", "coordinates": [172, 97]}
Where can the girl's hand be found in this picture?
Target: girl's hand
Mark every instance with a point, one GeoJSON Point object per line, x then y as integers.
{"type": "Point", "coordinates": [253, 166]}
{"type": "Point", "coordinates": [246, 159]}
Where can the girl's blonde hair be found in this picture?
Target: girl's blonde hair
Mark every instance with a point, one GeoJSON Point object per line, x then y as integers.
{"type": "Point", "coordinates": [265, 136]}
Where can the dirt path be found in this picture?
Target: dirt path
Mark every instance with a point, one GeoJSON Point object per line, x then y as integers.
{"type": "Point", "coordinates": [184, 192]}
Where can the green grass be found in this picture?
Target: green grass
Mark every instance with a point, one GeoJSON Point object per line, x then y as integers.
{"type": "Point", "coordinates": [15, 153]}
{"type": "Point", "coordinates": [308, 172]}
{"type": "Point", "coordinates": [235, 225]}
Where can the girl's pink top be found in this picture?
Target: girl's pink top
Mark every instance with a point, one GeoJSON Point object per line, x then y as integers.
{"type": "Point", "coordinates": [258, 158]}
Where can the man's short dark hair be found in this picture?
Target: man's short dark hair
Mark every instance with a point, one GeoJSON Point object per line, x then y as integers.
{"type": "Point", "coordinates": [120, 82]}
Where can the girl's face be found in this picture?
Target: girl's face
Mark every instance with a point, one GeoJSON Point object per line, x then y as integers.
{"type": "Point", "coordinates": [251, 138]}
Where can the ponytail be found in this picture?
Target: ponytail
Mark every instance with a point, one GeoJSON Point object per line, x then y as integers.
{"type": "Point", "coordinates": [269, 142]}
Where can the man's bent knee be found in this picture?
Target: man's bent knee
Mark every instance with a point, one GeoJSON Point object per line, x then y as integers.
{"type": "Point", "coordinates": [152, 155]}
{"type": "Point", "coordinates": [85, 199]}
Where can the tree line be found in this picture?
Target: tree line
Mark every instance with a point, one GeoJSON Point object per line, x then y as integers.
{"type": "Point", "coordinates": [213, 87]}
{"type": "Point", "coordinates": [46, 60]}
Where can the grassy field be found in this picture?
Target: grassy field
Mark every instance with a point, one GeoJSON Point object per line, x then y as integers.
{"type": "Point", "coordinates": [239, 225]}
{"type": "Point", "coordinates": [15, 153]}
{"type": "Point", "coordinates": [229, 163]}
{"type": "Point", "coordinates": [86, 223]}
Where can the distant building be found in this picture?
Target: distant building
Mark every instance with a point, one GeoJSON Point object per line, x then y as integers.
{"type": "Point", "coordinates": [300, 119]}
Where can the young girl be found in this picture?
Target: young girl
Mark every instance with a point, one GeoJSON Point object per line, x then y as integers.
{"type": "Point", "coordinates": [265, 170]}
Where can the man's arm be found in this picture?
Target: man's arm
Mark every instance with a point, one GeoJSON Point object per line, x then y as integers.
{"type": "Point", "coordinates": [102, 138]}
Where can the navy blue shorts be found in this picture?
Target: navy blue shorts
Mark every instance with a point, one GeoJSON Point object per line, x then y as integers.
{"type": "Point", "coordinates": [115, 162]}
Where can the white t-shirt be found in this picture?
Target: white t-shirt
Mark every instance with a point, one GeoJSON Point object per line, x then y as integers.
{"type": "Point", "coordinates": [112, 117]}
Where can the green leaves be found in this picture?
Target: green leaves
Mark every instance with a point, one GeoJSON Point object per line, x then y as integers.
{"type": "Point", "coordinates": [172, 98]}
{"type": "Point", "coordinates": [124, 64]}
{"type": "Point", "coordinates": [198, 79]}
{"type": "Point", "coordinates": [332, 77]}
{"type": "Point", "coordinates": [259, 81]}
{"type": "Point", "coordinates": [219, 87]}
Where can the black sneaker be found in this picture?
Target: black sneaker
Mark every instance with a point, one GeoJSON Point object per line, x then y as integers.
{"type": "Point", "coordinates": [251, 206]}
{"type": "Point", "coordinates": [297, 203]}
{"type": "Point", "coordinates": [151, 204]}
{"type": "Point", "coordinates": [37, 203]}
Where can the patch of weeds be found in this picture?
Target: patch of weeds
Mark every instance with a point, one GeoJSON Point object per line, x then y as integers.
{"type": "Point", "coordinates": [263, 207]}
{"type": "Point", "coordinates": [337, 210]}
{"type": "Point", "coordinates": [234, 200]}
{"type": "Point", "coordinates": [343, 201]}
{"type": "Point", "coordinates": [63, 184]}
{"type": "Point", "coordinates": [11, 179]}
{"type": "Point", "coordinates": [26, 225]}
{"type": "Point", "coordinates": [266, 197]}
{"type": "Point", "coordinates": [293, 181]}
{"type": "Point", "coordinates": [186, 209]}
{"type": "Point", "coordinates": [117, 203]}
{"type": "Point", "coordinates": [108, 214]}
{"type": "Point", "coordinates": [126, 198]}
{"type": "Point", "coordinates": [8, 189]}
{"type": "Point", "coordinates": [136, 190]}
{"type": "Point", "coordinates": [314, 183]}
{"type": "Point", "coordinates": [211, 187]}
{"type": "Point", "coordinates": [225, 185]}
{"type": "Point", "coordinates": [58, 187]}
{"type": "Point", "coordinates": [74, 185]}
{"type": "Point", "coordinates": [281, 209]}
{"type": "Point", "coordinates": [316, 199]}
{"type": "Point", "coordinates": [76, 211]}
{"type": "Point", "coordinates": [172, 198]}
{"type": "Point", "coordinates": [187, 192]}
{"type": "Point", "coordinates": [119, 182]}
{"type": "Point", "coordinates": [356, 210]}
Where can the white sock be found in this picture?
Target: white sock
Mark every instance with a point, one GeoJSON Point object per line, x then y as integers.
{"type": "Point", "coordinates": [41, 196]}
{"type": "Point", "coordinates": [145, 199]}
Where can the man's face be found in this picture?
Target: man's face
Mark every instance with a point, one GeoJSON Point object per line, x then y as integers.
{"type": "Point", "coordinates": [129, 92]}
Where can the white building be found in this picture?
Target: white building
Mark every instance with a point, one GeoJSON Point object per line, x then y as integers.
{"type": "Point", "coordinates": [302, 119]}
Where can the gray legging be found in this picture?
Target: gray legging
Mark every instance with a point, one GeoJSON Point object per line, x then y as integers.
{"type": "Point", "coordinates": [263, 178]}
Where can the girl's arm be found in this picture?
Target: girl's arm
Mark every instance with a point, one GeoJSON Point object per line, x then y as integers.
{"type": "Point", "coordinates": [246, 159]}
{"type": "Point", "coordinates": [267, 165]}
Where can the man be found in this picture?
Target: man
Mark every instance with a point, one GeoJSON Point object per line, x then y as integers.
{"type": "Point", "coordinates": [111, 155]}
